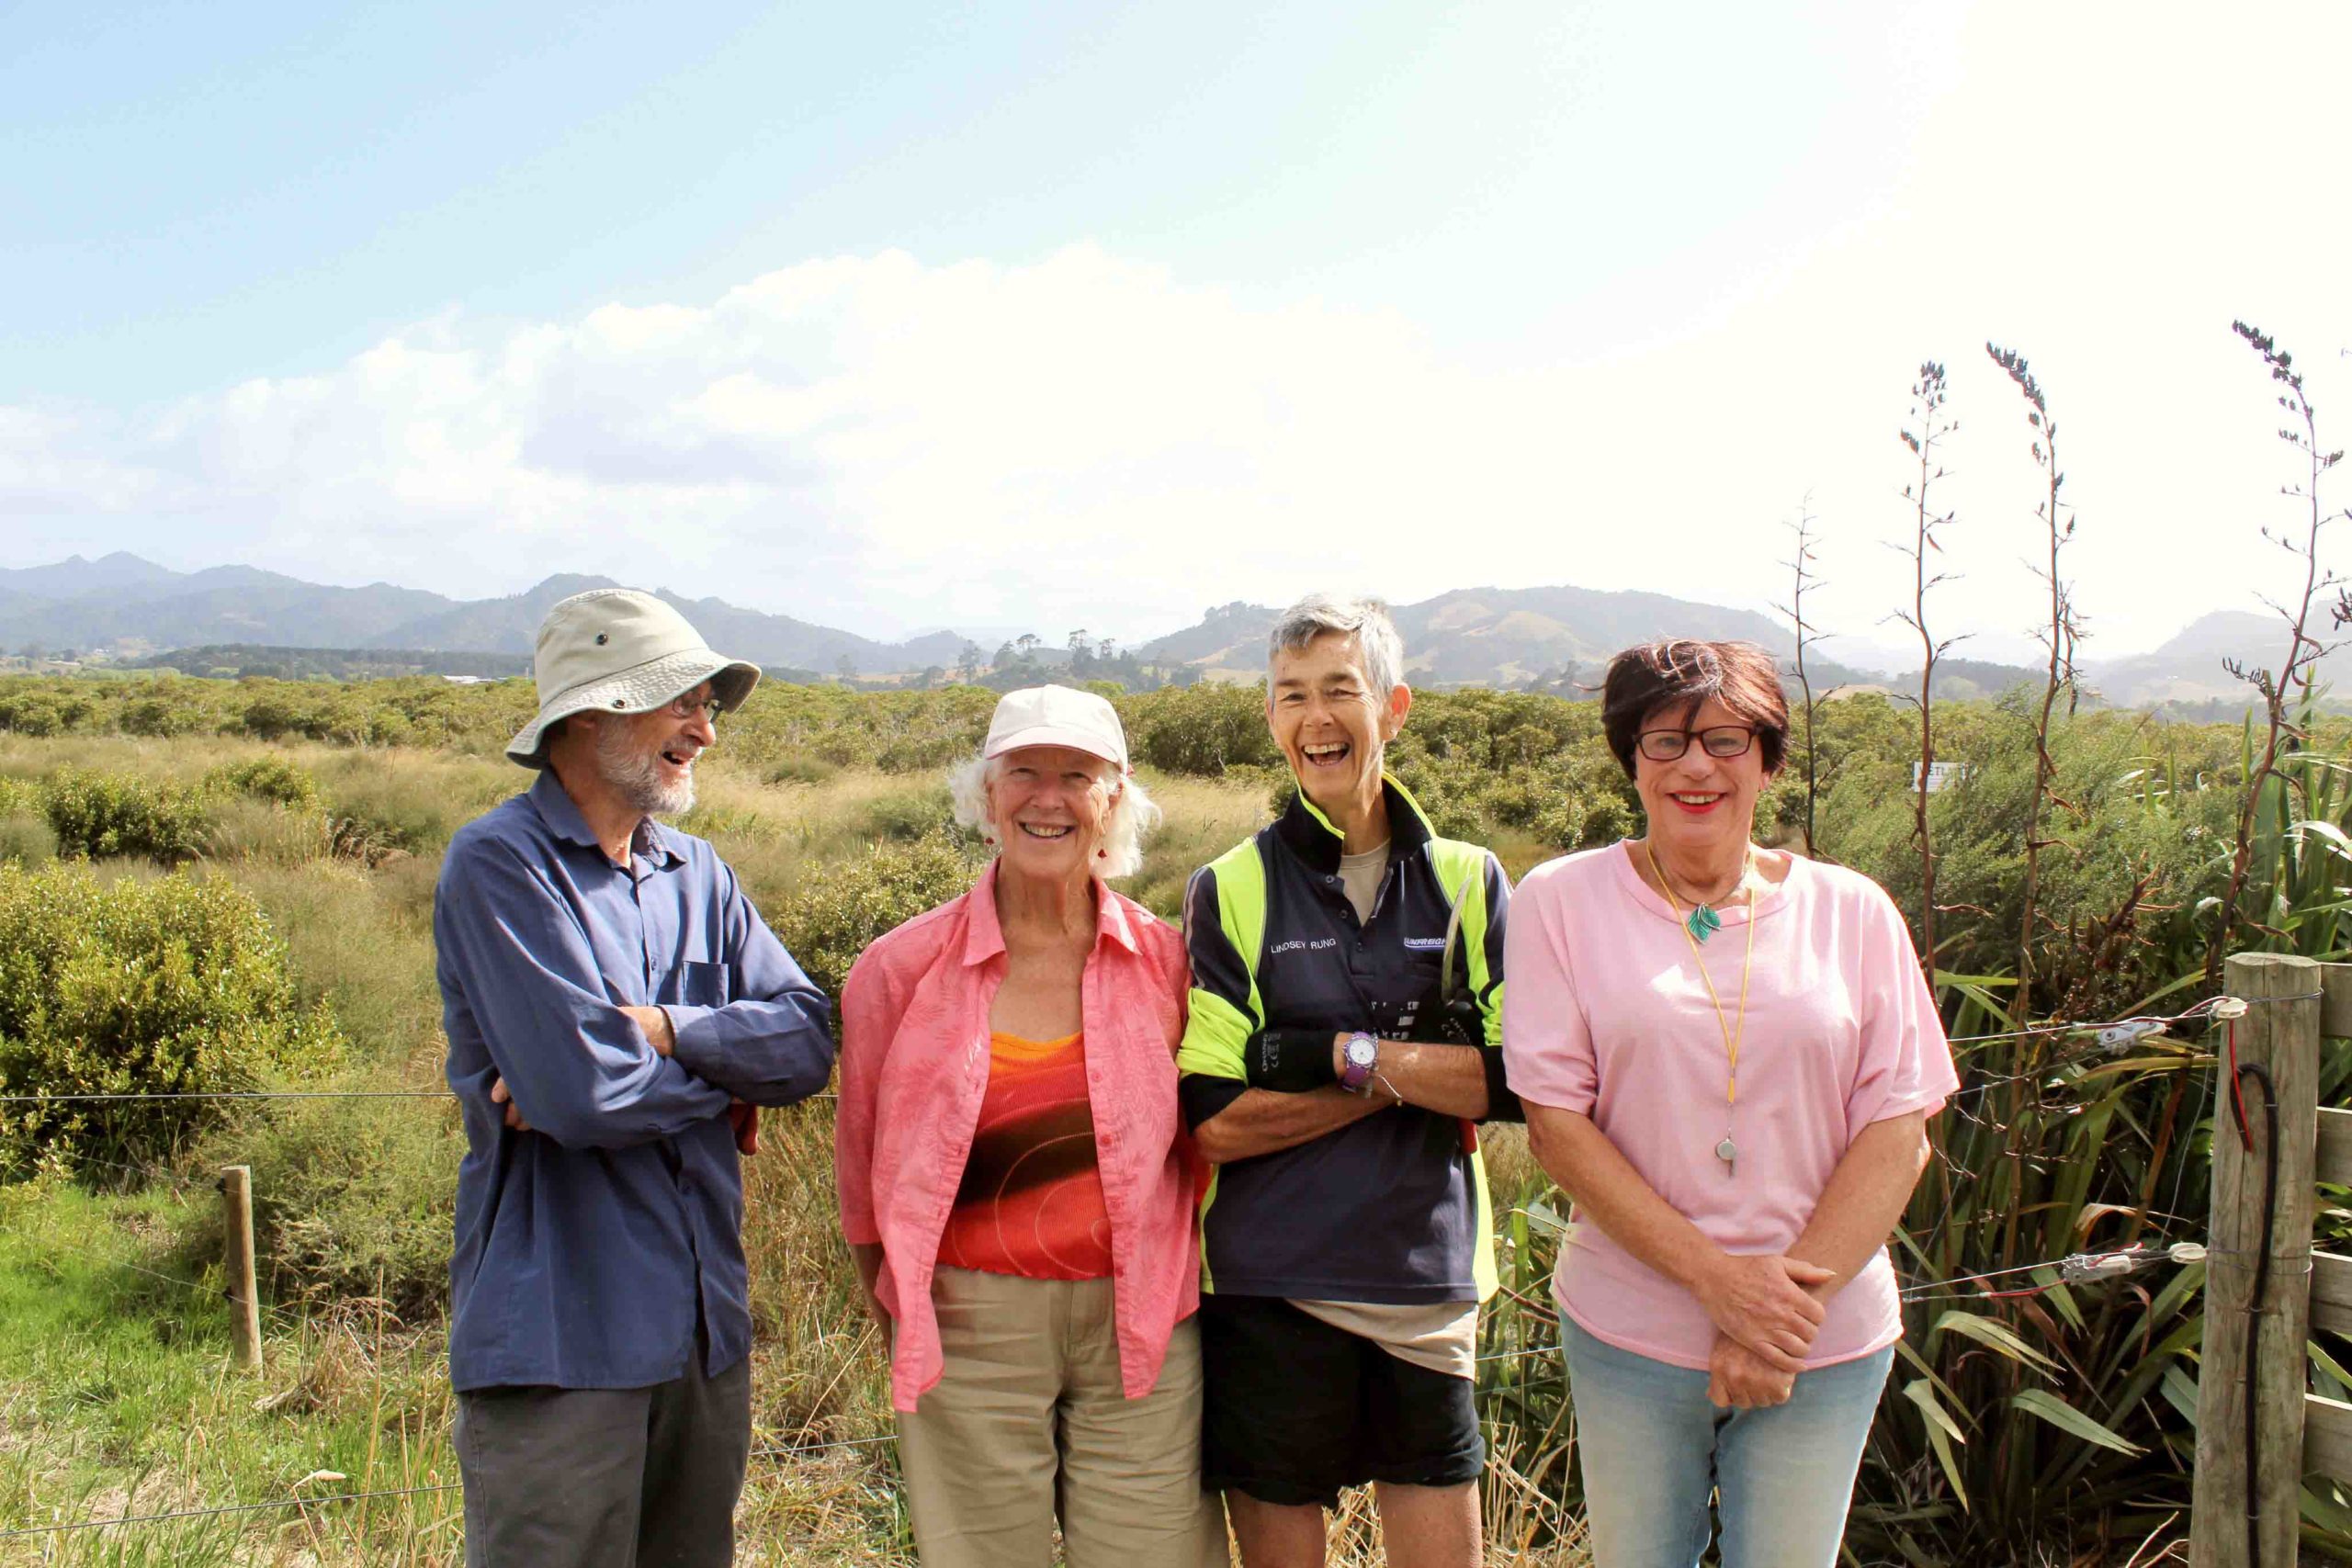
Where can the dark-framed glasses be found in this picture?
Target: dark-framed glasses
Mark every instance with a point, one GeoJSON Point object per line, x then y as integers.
{"type": "Point", "coordinates": [1722, 740]}
{"type": "Point", "coordinates": [689, 705]}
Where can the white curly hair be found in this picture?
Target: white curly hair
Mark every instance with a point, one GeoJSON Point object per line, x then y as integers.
{"type": "Point", "coordinates": [1132, 813]}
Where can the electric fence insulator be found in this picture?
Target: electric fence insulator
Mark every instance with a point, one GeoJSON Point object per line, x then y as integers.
{"type": "Point", "coordinates": [2118, 1037]}
{"type": "Point", "coordinates": [2085, 1267]}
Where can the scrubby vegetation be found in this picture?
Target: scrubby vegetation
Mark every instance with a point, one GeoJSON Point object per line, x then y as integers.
{"type": "Point", "coordinates": [261, 855]}
{"type": "Point", "coordinates": [133, 985]}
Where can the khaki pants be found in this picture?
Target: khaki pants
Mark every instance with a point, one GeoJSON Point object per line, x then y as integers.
{"type": "Point", "coordinates": [1030, 1424]}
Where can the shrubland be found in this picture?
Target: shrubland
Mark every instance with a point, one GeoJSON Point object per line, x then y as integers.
{"type": "Point", "coordinates": [138, 985]}
{"type": "Point", "coordinates": [292, 833]}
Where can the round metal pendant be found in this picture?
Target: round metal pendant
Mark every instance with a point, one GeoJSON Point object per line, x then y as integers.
{"type": "Point", "coordinates": [1726, 1151]}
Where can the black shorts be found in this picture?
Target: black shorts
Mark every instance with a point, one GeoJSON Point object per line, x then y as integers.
{"type": "Point", "coordinates": [1295, 1409]}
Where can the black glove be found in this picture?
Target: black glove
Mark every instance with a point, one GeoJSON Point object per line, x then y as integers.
{"type": "Point", "coordinates": [1289, 1061]}
{"type": "Point", "coordinates": [1431, 1022]}
{"type": "Point", "coordinates": [1460, 1021]}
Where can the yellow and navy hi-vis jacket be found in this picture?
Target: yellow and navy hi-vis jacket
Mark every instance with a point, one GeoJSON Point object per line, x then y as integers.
{"type": "Point", "coordinates": [1392, 1208]}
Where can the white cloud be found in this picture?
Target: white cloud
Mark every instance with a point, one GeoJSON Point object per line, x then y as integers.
{"type": "Point", "coordinates": [880, 444]}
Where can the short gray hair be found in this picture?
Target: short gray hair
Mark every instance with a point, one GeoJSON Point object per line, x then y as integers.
{"type": "Point", "coordinates": [1366, 620]}
{"type": "Point", "coordinates": [1133, 813]}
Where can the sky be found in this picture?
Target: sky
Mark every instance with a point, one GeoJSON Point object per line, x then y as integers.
{"type": "Point", "coordinates": [897, 316]}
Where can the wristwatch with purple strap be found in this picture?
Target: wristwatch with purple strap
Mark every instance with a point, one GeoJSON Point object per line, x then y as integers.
{"type": "Point", "coordinates": [1361, 1056]}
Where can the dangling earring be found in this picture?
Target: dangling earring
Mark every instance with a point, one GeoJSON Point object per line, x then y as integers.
{"type": "Point", "coordinates": [1101, 855]}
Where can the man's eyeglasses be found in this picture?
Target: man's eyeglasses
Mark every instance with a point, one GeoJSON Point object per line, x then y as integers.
{"type": "Point", "coordinates": [689, 705]}
{"type": "Point", "coordinates": [1723, 741]}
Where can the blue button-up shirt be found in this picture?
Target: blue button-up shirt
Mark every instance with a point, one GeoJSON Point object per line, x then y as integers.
{"type": "Point", "coordinates": [589, 1248]}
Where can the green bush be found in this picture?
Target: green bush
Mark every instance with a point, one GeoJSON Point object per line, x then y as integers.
{"type": "Point", "coordinates": [1202, 730]}
{"type": "Point", "coordinates": [1521, 801]}
{"type": "Point", "coordinates": [27, 838]}
{"type": "Point", "coordinates": [801, 769]}
{"type": "Point", "coordinates": [170, 986]}
{"type": "Point", "coordinates": [267, 778]}
{"type": "Point", "coordinates": [96, 815]}
{"type": "Point", "coordinates": [352, 1198]}
{"type": "Point", "coordinates": [34, 713]}
{"type": "Point", "coordinates": [371, 818]}
{"type": "Point", "coordinates": [830, 921]}
{"type": "Point", "coordinates": [907, 815]}
{"type": "Point", "coordinates": [162, 716]}
{"type": "Point", "coordinates": [1583, 821]}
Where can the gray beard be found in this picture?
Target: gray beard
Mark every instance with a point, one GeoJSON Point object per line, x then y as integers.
{"type": "Point", "coordinates": [638, 776]}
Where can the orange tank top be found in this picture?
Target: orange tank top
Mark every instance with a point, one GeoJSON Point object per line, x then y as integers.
{"type": "Point", "coordinates": [1031, 1200]}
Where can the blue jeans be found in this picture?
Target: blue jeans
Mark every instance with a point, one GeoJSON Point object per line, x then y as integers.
{"type": "Point", "coordinates": [1654, 1448]}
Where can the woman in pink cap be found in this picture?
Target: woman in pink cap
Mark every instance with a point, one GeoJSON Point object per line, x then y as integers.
{"type": "Point", "coordinates": [1014, 1179]}
{"type": "Point", "coordinates": [1727, 1055]}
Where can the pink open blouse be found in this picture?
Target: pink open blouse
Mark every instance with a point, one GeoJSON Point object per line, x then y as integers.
{"type": "Point", "coordinates": [915, 1067]}
{"type": "Point", "coordinates": [1606, 1015]}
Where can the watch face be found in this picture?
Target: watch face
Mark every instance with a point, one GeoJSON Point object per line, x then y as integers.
{"type": "Point", "coordinates": [1363, 1052]}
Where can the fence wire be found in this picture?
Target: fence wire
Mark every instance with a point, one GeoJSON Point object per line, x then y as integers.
{"type": "Point", "coordinates": [2074, 1269]}
{"type": "Point", "coordinates": [298, 1501]}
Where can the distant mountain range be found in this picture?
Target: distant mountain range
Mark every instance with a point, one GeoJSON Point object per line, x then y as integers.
{"type": "Point", "coordinates": [1497, 636]}
{"type": "Point", "coordinates": [125, 607]}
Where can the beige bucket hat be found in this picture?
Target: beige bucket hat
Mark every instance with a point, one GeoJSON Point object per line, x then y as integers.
{"type": "Point", "coordinates": [617, 650]}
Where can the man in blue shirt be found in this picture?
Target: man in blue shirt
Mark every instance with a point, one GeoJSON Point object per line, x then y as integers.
{"type": "Point", "coordinates": [615, 1006]}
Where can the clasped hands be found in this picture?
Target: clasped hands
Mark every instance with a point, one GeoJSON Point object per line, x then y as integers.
{"type": "Point", "coordinates": [1766, 1316]}
{"type": "Point", "coordinates": [663, 1035]}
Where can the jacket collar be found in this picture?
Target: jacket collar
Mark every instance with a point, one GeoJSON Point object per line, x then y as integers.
{"type": "Point", "coordinates": [1310, 835]}
{"type": "Point", "coordinates": [984, 934]}
{"type": "Point", "coordinates": [556, 809]}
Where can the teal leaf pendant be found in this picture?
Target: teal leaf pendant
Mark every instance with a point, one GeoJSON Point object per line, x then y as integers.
{"type": "Point", "coordinates": [1703, 923]}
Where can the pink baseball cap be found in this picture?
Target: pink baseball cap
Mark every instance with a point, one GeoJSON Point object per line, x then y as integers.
{"type": "Point", "coordinates": [1057, 715]}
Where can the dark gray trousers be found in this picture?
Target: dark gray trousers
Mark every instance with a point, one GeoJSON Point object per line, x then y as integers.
{"type": "Point", "coordinates": [605, 1478]}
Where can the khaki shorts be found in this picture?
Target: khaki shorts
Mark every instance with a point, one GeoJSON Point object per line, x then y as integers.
{"type": "Point", "coordinates": [1030, 1426]}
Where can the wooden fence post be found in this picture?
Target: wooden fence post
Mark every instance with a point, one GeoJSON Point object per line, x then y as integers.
{"type": "Point", "coordinates": [2283, 1036]}
{"type": "Point", "coordinates": [244, 1301]}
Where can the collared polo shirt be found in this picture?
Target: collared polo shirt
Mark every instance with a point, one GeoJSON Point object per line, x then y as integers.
{"type": "Point", "coordinates": [589, 1248]}
{"type": "Point", "coordinates": [1391, 1209]}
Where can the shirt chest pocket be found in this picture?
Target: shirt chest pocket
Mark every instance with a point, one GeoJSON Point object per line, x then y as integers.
{"type": "Point", "coordinates": [704, 985]}
{"type": "Point", "coordinates": [1404, 989]}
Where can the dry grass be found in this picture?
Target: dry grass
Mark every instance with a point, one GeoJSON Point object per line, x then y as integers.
{"type": "Point", "coordinates": [355, 1392]}
{"type": "Point", "coordinates": [775, 834]}
{"type": "Point", "coordinates": [1203, 818]}
{"type": "Point", "coordinates": [156, 760]}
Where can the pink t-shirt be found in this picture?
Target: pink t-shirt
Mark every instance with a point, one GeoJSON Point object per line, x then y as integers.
{"type": "Point", "coordinates": [1605, 1015]}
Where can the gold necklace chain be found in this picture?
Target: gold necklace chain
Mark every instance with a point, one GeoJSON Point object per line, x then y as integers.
{"type": "Point", "coordinates": [1732, 1039]}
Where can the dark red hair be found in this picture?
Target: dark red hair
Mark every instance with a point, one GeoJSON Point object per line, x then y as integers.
{"type": "Point", "coordinates": [1681, 673]}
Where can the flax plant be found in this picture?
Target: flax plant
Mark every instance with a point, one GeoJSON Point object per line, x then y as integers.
{"type": "Point", "coordinates": [1803, 580]}
{"type": "Point", "coordinates": [2304, 649]}
{"type": "Point", "coordinates": [1928, 397]}
{"type": "Point", "coordinates": [2058, 640]}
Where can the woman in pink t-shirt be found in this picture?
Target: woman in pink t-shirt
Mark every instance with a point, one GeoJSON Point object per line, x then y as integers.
{"type": "Point", "coordinates": [1728, 1056]}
